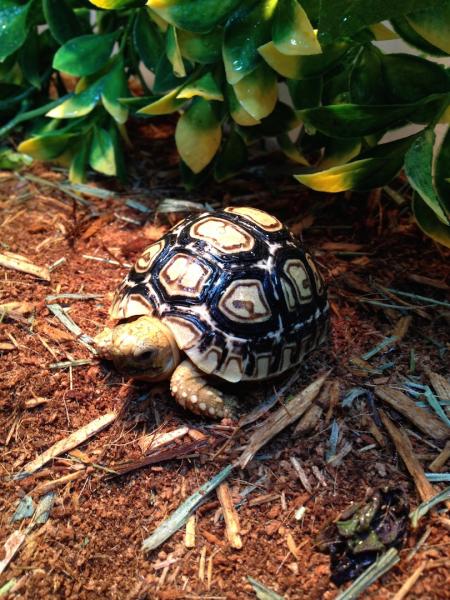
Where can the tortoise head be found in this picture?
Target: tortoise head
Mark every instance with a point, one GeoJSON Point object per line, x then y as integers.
{"type": "Point", "coordinates": [143, 348]}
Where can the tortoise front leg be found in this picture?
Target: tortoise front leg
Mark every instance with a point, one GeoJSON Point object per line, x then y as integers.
{"type": "Point", "coordinates": [191, 390]}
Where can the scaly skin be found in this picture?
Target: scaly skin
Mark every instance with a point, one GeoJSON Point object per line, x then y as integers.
{"type": "Point", "coordinates": [192, 390]}
{"type": "Point", "coordinates": [145, 349]}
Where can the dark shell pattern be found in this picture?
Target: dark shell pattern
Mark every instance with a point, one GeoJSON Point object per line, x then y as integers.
{"type": "Point", "coordinates": [242, 297]}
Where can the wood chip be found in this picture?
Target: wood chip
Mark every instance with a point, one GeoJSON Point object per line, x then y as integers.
{"type": "Point", "coordinates": [401, 328]}
{"type": "Point", "coordinates": [405, 449]}
{"type": "Point", "coordinates": [38, 401]}
{"type": "Point", "coordinates": [422, 419]}
{"type": "Point", "coordinates": [441, 459]}
{"type": "Point", "coordinates": [189, 536]}
{"type": "Point", "coordinates": [301, 474]}
{"type": "Point", "coordinates": [292, 546]}
{"type": "Point", "coordinates": [23, 265]}
{"type": "Point", "coordinates": [230, 515]}
{"type": "Point", "coordinates": [309, 420]}
{"type": "Point", "coordinates": [157, 439]}
{"type": "Point", "coordinates": [202, 564]}
{"type": "Point", "coordinates": [17, 308]}
{"type": "Point", "coordinates": [72, 441]}
{"type": "Point", "coordinates": [440, 384]}
{"type": "Point", "coordinates": [280, 419]}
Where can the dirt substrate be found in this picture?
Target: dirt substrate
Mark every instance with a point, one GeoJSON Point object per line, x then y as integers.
{"type": "Point", "coordinates": [90, 547]}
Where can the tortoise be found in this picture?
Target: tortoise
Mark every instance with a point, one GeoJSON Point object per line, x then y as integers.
{"type": "Point", "coordinates": [229, 295]}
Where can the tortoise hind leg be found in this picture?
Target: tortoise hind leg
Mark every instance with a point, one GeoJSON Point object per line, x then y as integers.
{"type": "Point", "coordinates": [192, 391]}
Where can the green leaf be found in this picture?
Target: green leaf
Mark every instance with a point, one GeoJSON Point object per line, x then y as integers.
{"type": "Point", "coordinates": [48, 146]}
{"type": "Point", "coordinates": [280, 120]}
{"type": "Point", "coordinates": [101, 153]}
{"type": "Point", "coordinates": [418, 169]}
{"type": "Point", "coordinates": [291, 150]}
{"type": "Point", "coordinates": [237, 111]}
{"type": "Point", "coordinates": [84, 55]}
{"type": "Point", "coordinates": [366, 77]}
{"type": "Point", "coordinates": [198, 16]}
{"type": "Point", "coordinates": [442, 173]}
{"type": "Point", "coordinates": [62, 20]}
{"type": "Point", "coordinates": [354, 120]}
{"type": "Point", "coordinates": [248, 29]}
{"type": "Point", "coordinates": [111, 4]}
{"type": "Point", "coordinates": [302, 67]}
{"type": "Point", "coordinates": [410, 78]}
{"type": "Point", "coordinates": [340, 151]}
{"type": "Point", "coordinates": [410, 35]}
{"type": "Point", "coordinates": [13, 161]}
{"type": "Point", "coordinates": [205, 86]}
{"type": "Point", "coordinates": [231, 159]}
{"type": "Point", "coordinates": [201, 48]}
{"type": "Point", "coordinates": [29, 59]}
{"type": "Point", "coordinates": [165, 105]}
{"type": "Point", "coordinates": [80, 104]}
{"type": "Point", "coordinates": [165, 80]}
{"type": "Point", "coordinates": [305, 93]}
{"type": "Point", "coordinates": [147, 40]}
{"type": "Point", "coordinates": [115, 87]}
{"type": "Point", "coordinates": [257, 92]}
{"type": "Point", "coordinates": [292, 32]}
{"type": "Point", "coordinates": [13, 26]}
{"type": "Point", "coordinates": [173, 52]}
{"type": "Point", "coordinates": [373, 169]}
{"type": "Point", "coordinates": [429, 223]}
{"type": "Point", "coordinates": [433, 25]}
{"type": "Point", "coordinates": [343, 18]}
{"type": "Point", "coordinates": [198, 135]}
{"type": "Point", "coordinates": [78, 166]}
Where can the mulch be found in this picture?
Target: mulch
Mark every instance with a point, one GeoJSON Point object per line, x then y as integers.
{"type": "Point", "coordinates": [90, 546]}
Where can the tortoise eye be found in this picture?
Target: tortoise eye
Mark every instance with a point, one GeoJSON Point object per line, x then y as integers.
{"type": "Point", "coordinates": [145, 356]}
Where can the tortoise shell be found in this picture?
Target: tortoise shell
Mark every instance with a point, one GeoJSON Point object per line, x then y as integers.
{"type": "Point", "coordinates": [242, 297]}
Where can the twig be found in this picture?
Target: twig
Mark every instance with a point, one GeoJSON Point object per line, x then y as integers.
{"type": "Point", "coordinates": [72, 441]}
{"type": "Point", "coordinates": [24, 266]}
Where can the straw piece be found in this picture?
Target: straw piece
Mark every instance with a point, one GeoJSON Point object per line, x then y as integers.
{"type": "Point", "coordinates": [48, 486]}
{"type": "Point", "coordinates": [24, 266]}
{"type": "Point", "coordinates": [280, 419]}
{"type": "Point", "coordinates": [374, 572]}
{"type": "Point", "coordinates": [230, 515]}
{"type": "Point", "coordinates": [405, 449]}
{"type": "Point", "coordinates": [422, 419]}
{"type": "Point", "coordinates": [72, 441]}
{"type": "Point", "coordinates": [409, 583]}
{"type": "Point", "coordinates": [156, 440]}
